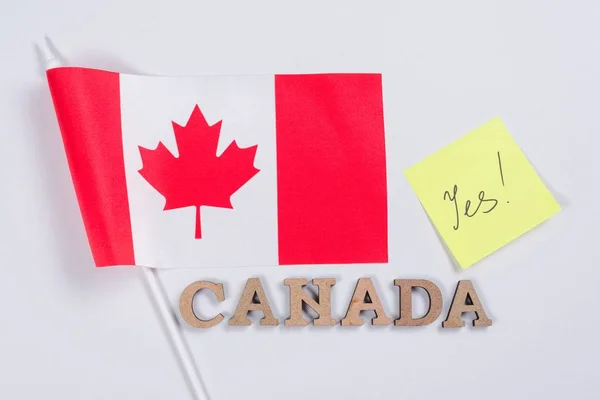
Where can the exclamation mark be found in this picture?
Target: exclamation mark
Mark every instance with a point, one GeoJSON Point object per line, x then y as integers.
{"type": "Point", "coordinates": [501, 173]}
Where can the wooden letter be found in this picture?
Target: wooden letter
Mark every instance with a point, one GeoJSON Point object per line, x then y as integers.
{"type": "Point", "coordinates": [365, 298]}
{"type": "Point", "coordinates": [435, 302]}
{"type": "Point", "coordinates": [253, 291]}
{"type": "Point", "coordinates": [322, 305]}
{"type": "Point", "coordinates": [465, 300]}
{"type": "Point", "coordinates": [186, 303]}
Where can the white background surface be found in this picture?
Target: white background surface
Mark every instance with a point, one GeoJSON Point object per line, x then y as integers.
{"type": "Point", "coordinates": [70, 331]}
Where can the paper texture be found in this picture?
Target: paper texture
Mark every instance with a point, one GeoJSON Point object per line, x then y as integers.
{"type": "Point", "coordinates": [481, 192]}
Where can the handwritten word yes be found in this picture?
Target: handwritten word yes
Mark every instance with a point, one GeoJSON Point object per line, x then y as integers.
{"type": "Point", "coordinates": [481, 196]}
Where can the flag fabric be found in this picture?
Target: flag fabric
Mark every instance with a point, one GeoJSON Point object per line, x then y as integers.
{"type": "Point", "coordinates": [226, 170]}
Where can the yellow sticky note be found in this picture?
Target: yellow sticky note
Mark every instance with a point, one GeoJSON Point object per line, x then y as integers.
{"type": "Point", "coordinates": [481, 192]}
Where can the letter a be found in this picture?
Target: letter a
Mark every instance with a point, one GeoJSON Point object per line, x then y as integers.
{"type": "Point", "coordinates": [365, 298]}
{"type": "Point", "coordinates": [253, 290]}
{"type": "Point", "coordinates": [465, 300]}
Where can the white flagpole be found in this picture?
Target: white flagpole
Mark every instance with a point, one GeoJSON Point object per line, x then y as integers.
{"type": "Point", "coordinates": [169, 320]}
{"type": "Point", "coordinates": [174, 331]}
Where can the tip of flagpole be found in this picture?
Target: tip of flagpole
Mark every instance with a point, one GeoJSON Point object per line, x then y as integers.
{"type": "Point", "coordinates": [49, 56]}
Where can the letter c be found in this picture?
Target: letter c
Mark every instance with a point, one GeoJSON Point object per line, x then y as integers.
{"type": "Point", "coordinates": [186, 303]}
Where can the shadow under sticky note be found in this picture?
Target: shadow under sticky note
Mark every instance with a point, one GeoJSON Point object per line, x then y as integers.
{"type": "Point", "coordinates": [481, 192]}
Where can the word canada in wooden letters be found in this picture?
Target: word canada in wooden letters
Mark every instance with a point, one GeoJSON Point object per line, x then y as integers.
{"type": "Point", "coordinates": [365, 298]}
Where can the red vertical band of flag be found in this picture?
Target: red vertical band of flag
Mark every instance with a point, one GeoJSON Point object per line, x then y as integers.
{"type": "Point", "coordinates": [88, 108]}
{"type": "Point", "coordinates": [331, 169]}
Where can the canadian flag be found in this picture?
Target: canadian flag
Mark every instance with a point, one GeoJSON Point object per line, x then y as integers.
{"type": "Point", "coordinates": [226, 170]}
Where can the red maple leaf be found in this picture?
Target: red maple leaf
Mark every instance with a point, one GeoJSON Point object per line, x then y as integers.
{"type": "Point", "coordinates": [198, 177]}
